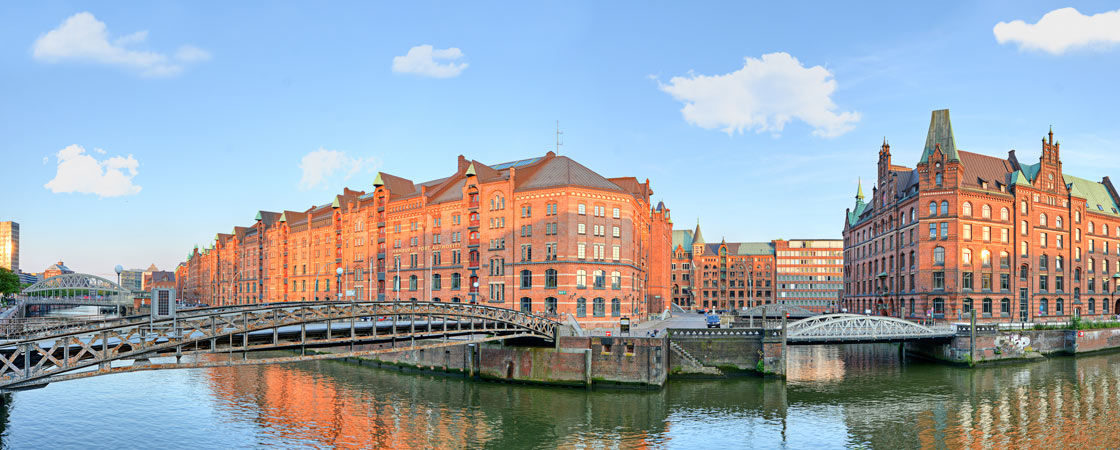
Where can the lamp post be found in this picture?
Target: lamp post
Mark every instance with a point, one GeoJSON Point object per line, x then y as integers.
{"type": "Point", "coordinates": [338, 282]}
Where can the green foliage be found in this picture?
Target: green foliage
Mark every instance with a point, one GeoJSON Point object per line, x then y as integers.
{"type": "Point", "coordinates": [9, 282]}
{"type": "Point", "coordinates": [1078, 324]}
{"type": "Point", "coordinates": [761, 367]}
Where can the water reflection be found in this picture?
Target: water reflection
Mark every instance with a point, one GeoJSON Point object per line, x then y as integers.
{"type": "Point", "coordinates": [835, 397]}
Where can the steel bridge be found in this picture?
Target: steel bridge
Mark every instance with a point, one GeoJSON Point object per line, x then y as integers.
{"type": "Point", "coordinates": [855, 328]}
{"type": "Point", "coordinates": [34, 359]}
{"type": "Point", "coordinates": [75, 289]}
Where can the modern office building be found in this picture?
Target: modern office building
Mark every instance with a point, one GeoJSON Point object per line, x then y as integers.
{"type": "Point", "coordinates": [9, 246]}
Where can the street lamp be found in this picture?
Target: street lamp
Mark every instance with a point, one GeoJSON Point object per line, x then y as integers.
{"type": "Point", "coordinates": [338, 283]}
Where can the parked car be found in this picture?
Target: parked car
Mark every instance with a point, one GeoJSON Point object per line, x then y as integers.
{"type": "Point", "coordinates": [713, 321]}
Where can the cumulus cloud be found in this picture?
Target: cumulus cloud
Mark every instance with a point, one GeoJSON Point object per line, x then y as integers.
{"type": "Point", "coordinates": [322, 164]}
{"type": "Point", "coordinates": [82, 37]}
{"type": "Point", "coordinates": [765, 95]}
{"type": "Point", "coordinates": [1062, 30]}
{"type": "Point", "coordinates": [423, 60]}
{"type": "Point", "coordinates": [80, 172]}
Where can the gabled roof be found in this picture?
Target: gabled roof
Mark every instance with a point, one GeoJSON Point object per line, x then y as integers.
{"type": "Point", "coordinates": [563, 171]}
{"type": "Point", "coordinates": [977, 167]}
{"type": "Point", "coordinates": [742, 248]}
{"type": "Point", "coordinates": [940, 133]}
{"type": "Point", "coordinates": [1097, 198]}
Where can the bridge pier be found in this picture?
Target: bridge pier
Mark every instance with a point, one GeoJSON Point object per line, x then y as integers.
{"type": "Point", "coordinates": [774, 354]}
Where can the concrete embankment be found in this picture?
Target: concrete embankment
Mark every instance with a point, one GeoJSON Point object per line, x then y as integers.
{"type": "Point", "coordinates": [992, 345]}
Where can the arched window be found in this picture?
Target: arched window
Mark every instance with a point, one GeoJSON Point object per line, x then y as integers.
{"type": "Point", "coordinates": [437, 282]}
{"type": "Point", "coordinates": [1091, 227]}
{"type": "Point", "coordinates": [1077, 216]}
{"type": "Point", "coordinates": [436, 299]}
{"type": "Point", "coordinates": [987, 307]}
{"type": "Point", "coordinates": [1004, 259]}
{"type": "Point", "coordinates": [550, 305]}
{"type": "Point", "coordinates": [1023, 207]}
{"type": "Point", "coordinates": [600, 279]}
{"type": "Point", "coordinates": [616, 280]}
{"type": "Point", "coordinates": [550, 277]}
{"type": "Point", "coordinates": [412, 282]}
{"type": "Point", "coordinates": [986, 258]}
{"type": "Point", "coordinates": [1077, 275]}
{"type": "Point", "coordinates": [944, 207]}
{"type": "Point", "coordinates": [456, 281]}
{"type": "Point", "coordinates": [526, 305]}
{"type": "Point", "coordinates": [966, 256]}
{"type": "Point", "coordinates": [581, 307]}
{"type": "Point", "coordinates": [966, 306]}
{"type": "Point", "coordinates": [581, 279]}
{"type": "Point", "coordinates": [938, 178]}
{"type": "Point", "coordinates": [1023, 248]}
{"type": "Point", "coordinates": [526, 279]}
{"type": "Point", "coordinates": [1043, 262]}
{"type": "Point", "coordinates": [1043, 307]}
{"type": "Point", "coordinates": [1092, 306]}
{"type": "Point", "coordinates": [1004, 214]}
{"type": "Point", "coordinates": [1059, 307]}
{"type": "Point", "coordinates": [600, 307]}
{"type": "Point", "coordinates": [1058, 222]}
{"type": "Point", "coordinates": [932, 208]}
{"type": "Point", "coordinates": [913, 215]}
{"type": "Point", "coordinates": [1058, 262]}
{"type": "Point", "coordinates": [939, 256]}
{"type": "Point", "coordinates": [986, 212]}
{"type": "Point", "coordinates": [966, 209]}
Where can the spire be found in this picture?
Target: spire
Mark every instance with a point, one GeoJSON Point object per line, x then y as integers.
{"type": "Point", "coordinates": [378, 182]}
{"type": "Point", "coordinates": [697, 238]}
{"type": "Point", "coordinates": [940, 135]}
{"type": "Point", "coordinates": [859, 190]}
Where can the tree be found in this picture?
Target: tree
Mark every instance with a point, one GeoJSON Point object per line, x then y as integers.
{"type": "Point", "coordinates": [9, 282]}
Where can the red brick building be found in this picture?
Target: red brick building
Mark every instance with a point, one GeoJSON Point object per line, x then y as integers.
{"type": "Point", "coordinates": [1017, 241]}
{"type": "Point", "coordinates": [737, 275]}
{"type": "Point", "coordinates": [544, 234]}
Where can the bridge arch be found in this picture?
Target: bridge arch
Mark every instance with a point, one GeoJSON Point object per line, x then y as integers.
{"type": "Point", "coordinates": [39, 359]}
{"type": "Point", "coordinates": [68, 288]}
{"type": "Point", "coordinates": [860, 328]}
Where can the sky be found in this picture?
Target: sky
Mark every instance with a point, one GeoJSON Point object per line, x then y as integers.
{"type": "Point", "coordinates": [131, 132]}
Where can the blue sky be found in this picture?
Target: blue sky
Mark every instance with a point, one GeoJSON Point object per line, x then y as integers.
{"type": "Point", "coordinates": [205, 113]}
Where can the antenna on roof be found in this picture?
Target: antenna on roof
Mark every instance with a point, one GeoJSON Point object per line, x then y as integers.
{"type": "Point", "coordinates": [558, 133]}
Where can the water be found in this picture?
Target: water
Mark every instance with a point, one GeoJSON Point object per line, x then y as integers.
{"type": "Point", "coordinates": [835, 397]}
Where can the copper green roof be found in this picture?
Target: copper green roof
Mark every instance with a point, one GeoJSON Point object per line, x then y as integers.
{"type": "Point", "coordinates": [859, 190]}
{"type": "Point", "coordinates": [1096, 195]}
{"type": "Point", "coordinates": [377, 182]}
{"type": "Point", "coordinates": [682, 238]}
{"type": "Point", "coordinates": [853, 215]}
{"type": "Point", "coordinates": [1030, 170]}
{"type": "Point", "coordinates": [940, 132]}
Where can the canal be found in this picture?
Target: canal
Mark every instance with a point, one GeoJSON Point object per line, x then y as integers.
{"type": "Point", "coordinates": [836, 397]}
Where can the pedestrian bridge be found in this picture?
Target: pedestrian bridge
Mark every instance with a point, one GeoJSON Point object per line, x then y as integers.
{"type": "Point", "coordinates": [852, 328]}
{"type": "Point", "coordinates": [36, 358]}
{"type": "Point", "coordinates": [75, 289]}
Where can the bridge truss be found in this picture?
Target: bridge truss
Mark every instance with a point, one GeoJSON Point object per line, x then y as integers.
{"type": "Point", "coordinates": [78, 289]}
{"type": "Point", "coordinates": [839, 328]}
{"type": "Point", "coordinates": [131, 344]}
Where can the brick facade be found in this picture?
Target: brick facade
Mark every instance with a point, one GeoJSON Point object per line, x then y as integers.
{"type": "Point", "coordinates": [963, 231]}
{"type": "Point", "coordinates": [544, 234]}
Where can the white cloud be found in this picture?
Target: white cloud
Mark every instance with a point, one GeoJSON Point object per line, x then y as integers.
{"type": "Point", "coordinates": [82, 37]}
{"type": "Point", "coordinates": [80, 172]}
{"type": "Point", "coordinates": [764, 95]}
{"type": "Point", "coordinates": [1061, 30]}
{"type": "Point", "coordinates": [423, 60]}
{"type": "Point", "coordinates": [322, 164]}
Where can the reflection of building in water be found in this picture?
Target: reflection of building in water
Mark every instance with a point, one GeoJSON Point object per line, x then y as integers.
{"type": "Point", "coordinates": [308, 407]}
{"type": "Point", "coordinates": [814, 363]}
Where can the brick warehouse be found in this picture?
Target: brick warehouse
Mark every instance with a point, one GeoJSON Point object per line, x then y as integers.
{"type": "Point", "coordinates": [544, 234]}
{"type": "Point", "coordinates": [737, 275]}
{"type": "Point", "coordinates": [1016, 241]}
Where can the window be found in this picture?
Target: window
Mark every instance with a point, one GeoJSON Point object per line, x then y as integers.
{"type": "Point", "coordinates": [615, 252]}
{"type": "Point", "coordinates": [966, 209]}
{"type": "Point", "coordinates": [581, 209]}
{"type": "Point", "coordinates": [945, 230]}
{"type": "Point", "coordinates": [617, 232]}
{"type": "Point", "coordinates": [933, 231]}
{"type": "Point", "coordinates": [456, 281]}
{"type": "Point", "coordinates": [966, 256]}
{"type": "Point", "coordinates": [616, 304]}
{"type": "Point", "coordinates": [617, 213]}
{"type": "Point", "coordinates": [437, 282]}
{"type": "Point", "coordinates": [1004, 235]}
{"type": "Point", "coordinates": [616, 280]}
{"type": "Point", "coordinates": [1058, 306]}
{"type": "Point", "coordinates": [986, 233]}
{"type": "Point", "coordinates": [1023, 207]}
{"type": "Point", "coordinates": [550, 305]}
{"type": "Point", "coordinates": [966, 280]}
{"type": "Point", "coordinates": [939, 280]}
{"type": "Point", "coordinates": [987, 307]}
{"type": "Point", "coordinates": [581, 279]}
{"type": "Point", "coordinates": [526, 304]}
{"type": "Point", "coordinates": [412, 282]}
{"type": "Point", "coordinates": [1058, 222]}
{"type": "Point", "coordinates": [526, 279]}
{"type": "Point", "coordinates": [600, 279]}
{"type": "Point", "coordinates": [1004, 214]}
{"type": "Point", "coordinates": [581, 250]}
{"type": "Point", "coordinates": [1004, 259]}
{"type": "Point", "coordinates": [581, 228]}
{"type": "Point", "coordinates": [599, 307]}
{"type": "Point", "coordinates": [986, 258]}
{"type": "Point", "coordinates": [396, 284]}
{"type": "Point", "coordinates": [550, 279]}
{"type": "Point", "coordinates": [966, 232]}
{"type": "Point", "coordinates": [944, 207]}
{"type": "Point", "coordinates": [1043, 307]}
{"type": "Point", "coordinates": [937, 178]}
{"type": "Point", "coordinates": [581, 307]}
{"type": "Point", "coordinates": [1042, 219]}
{"type": "Point", "coordinates": [986, 212]}
{"type": "Point", "coordinates": [932, 209]}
